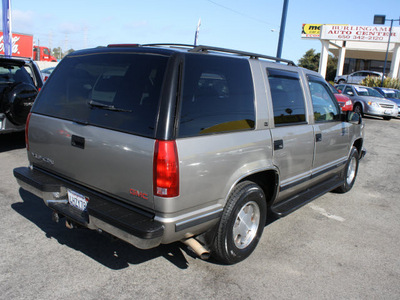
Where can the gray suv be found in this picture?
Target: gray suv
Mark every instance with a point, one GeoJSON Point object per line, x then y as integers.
{"type": "Point", "coordinates": [155, 144]}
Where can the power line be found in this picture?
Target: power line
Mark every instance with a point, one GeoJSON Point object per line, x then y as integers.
{"type": "Point", "coordinates": [242, 14]}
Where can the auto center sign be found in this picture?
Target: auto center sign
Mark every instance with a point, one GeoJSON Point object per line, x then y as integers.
{"type": "Point", "coordinates": [360, 33]}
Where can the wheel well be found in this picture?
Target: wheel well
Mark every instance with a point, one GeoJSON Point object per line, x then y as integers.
{"type": "Point", "coordinates": [268, 181]}
{"type": "Point", "coordinates": [358, 144]}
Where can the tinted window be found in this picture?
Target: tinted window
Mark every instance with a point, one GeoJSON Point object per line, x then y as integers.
{"type": "Point", "coordinates": [15, 73]}
{"type": "Point", "coordinates": [324, 103]}
{"type": "Point", "coordinates": [287, 97]}
{"type": "Point", "coordinates": [117, 91]}
{"type": "Point", "coordinates": [217, 95]}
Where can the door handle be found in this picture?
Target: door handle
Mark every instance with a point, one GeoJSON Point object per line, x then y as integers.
{"type": "Point", "coordinates": [78, 141]}
{"type": "Point", "coordinates": [278, 144]}
{"type": "Point", "coordinates": [318, 137]}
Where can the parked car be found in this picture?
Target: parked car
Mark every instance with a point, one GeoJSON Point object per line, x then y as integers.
{"type": "Point", "coordinates": [391, 94]}
{"type": "Point", "coordinates": [368, 101]}
{"type": "Point", "coordinates": [356, 77]}
{"type": "Point", "coordinates": [344, 101]}
{"type": "Point", "coordinates": [20, 81]}
{"type": "Point", "coordinates": [156, 144]}
{"type": "Point", "coordinates": [46, 73]}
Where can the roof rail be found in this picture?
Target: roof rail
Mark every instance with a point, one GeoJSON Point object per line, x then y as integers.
{"type": "Point", "coordinates": [203, 48]}
{"type": "Point", "coordinates": [170, 45]}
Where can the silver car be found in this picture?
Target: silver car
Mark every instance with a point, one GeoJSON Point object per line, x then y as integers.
{"type": "Point", "coordinates": [356, 77]}
{"type": "Point", "coordinates": [156, 144]}
{"type": "Point", "coordinates": [369, 101]}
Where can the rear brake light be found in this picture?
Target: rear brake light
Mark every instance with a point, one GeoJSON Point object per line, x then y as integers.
{"type": "Point", "coordinates": [26, 131]}
{"type": "Point", "coordinates": [166, 169]}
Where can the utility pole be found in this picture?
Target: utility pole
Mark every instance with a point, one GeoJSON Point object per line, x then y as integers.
{"type": "Point", "coordinates": [282, 29]}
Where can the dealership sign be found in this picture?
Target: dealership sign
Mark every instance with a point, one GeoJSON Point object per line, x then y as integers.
{"type": "Point", "coordinates": [360, 33]}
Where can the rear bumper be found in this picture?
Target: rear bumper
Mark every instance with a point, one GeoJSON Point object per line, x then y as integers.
{"type": "Point", "coordinates": [122, 220]}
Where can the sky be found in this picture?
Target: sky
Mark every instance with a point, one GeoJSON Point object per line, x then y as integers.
{"type": "Point", "coordinates": [247, 25]}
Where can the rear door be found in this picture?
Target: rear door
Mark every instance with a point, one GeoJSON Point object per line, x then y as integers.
{"type": "Point", "coordinates": [293, 136]}
{"type": "Point", "coordinates": [94, 123]}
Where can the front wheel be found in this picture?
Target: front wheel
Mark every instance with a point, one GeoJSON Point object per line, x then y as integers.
{"type": "Point", "coordinates": [358, 109]}
{"type": "Point", "coordinates": [241, 224]}
{"type": "Point", "coordinates": [350, 172]}
{"type": "Point", "coordinates": [387, 118]}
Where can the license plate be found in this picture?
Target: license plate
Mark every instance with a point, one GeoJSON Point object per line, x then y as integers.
{"type": "Point", "coordinates": [77, 200]}
{"type": "Point", "coordinates": [388, 112]}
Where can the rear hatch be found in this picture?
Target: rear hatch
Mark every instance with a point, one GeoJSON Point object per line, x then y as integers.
{"type": "Point", "coordinates": [94, 122]}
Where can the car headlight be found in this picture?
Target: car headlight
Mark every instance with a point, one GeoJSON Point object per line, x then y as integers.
{"type": "Point", "coordinates": [348, 102]}
{"type": "Point", "coordinates": [372, 103]}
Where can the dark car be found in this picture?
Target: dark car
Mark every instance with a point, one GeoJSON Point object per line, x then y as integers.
{"type": "Point", "coordinates": [391, 94]}
{"type": "Point", "coordinates": [20, 81]}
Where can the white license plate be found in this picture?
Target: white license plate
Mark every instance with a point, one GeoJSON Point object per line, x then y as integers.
{"type": "Point", "coordinates": [388, 112]}
{"type": "Point", "coordinates": [77, 200]}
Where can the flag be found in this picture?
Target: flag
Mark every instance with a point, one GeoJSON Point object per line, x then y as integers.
{"type": "Point", "coordinates": [197, 32]}
{"type": "Point", "coordinates": [7, 35]}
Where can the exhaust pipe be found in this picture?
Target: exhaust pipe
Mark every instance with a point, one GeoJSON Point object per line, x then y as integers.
{"type": "Point", "coordinates": [197, 248]}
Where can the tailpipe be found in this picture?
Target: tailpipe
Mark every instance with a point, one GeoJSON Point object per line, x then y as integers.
{"type": "Point", "coordinates": [197, 248]}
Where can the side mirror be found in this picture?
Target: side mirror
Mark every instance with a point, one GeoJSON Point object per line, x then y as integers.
{"type": "Point", "coordinates": [352, 117]}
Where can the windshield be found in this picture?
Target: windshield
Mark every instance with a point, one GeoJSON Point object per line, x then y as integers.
{"type": "Point", "coordinates": [118, 91]}
{"type": "Point", "coordinates": [366, 91]}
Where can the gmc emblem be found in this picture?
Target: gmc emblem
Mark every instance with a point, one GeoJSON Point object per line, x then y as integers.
{"type": "Point", "coordinates": [139, 194]}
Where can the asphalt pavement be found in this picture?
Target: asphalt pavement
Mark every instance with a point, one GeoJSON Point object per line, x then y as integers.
{"type": "Point", "coordinates": [340, 246]}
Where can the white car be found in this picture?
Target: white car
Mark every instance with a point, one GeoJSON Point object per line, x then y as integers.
{"type": "Point", "coordinates": [356, 77]}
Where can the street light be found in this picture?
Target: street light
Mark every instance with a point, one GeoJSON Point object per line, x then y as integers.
{"type": "Point", "coordinates": [380, 20]}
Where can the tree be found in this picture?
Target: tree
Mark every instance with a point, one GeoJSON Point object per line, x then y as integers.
{"type": "Point", "coordinates": [310, 61]}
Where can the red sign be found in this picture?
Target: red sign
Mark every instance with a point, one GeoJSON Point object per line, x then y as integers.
{"type": "Point", "coordinates": [22, 45]}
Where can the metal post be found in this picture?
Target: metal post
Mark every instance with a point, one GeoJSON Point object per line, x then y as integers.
{"type": "Point", "coordinates": [387, 51]}
{"type": "Point", "coordinates": [282, 28]}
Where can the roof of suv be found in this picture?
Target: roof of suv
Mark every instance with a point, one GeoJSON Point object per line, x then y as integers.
{"type": "Point", "coordinates": [168, 49]}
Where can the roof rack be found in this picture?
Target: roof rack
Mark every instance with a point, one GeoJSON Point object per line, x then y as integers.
{"type": "Point", "coordinates": [203, 48]}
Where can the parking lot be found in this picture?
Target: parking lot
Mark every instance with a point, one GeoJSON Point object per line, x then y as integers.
{"type": "Point", "coordinates": [341, 246]}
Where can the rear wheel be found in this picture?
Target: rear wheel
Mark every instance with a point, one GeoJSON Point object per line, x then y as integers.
{"type": "Point", "coordinates": [350, 172]}
{"type": "Point", "coordinates": [341, 81]}
{"type": "Point", "coordinates": [241, 224]}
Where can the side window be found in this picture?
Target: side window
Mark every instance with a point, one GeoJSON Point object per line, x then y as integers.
{"type": "Point", "coordinates": [287, 97]}
{"type": "Point", "coordinates": [324, 102]}
{"type": "Point", "coordinates": [218, 96]}
{"type": "Point", "coordinates": [348, 91]}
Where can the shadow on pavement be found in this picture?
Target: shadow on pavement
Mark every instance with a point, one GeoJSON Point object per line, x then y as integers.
{"type": "Point", "coordinates": [112, 253]}
{"type": "Point", "coordinates": [12, 141]}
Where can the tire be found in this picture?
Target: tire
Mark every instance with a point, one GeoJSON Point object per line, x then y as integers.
{"type": "Point", "coordinates": [341, 81]}
{"type": "Point", "coordinates": [358, 109]}
{"type": "Point", "coordinates": [387, 118]}
{"type": "Point", "coordinates": [17, 102]}
{"type": "Point", "coordinates": [234, 241]}
{"type": "Point", "coordinates": [350, 172]}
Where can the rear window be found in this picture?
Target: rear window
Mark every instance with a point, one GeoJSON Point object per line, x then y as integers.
{"type": "Point", "coordinates": [218, 96]}
{"type": "Point", "coordinates": [116, 91]}
{"type": "Point", "coordinates": [13, 74]}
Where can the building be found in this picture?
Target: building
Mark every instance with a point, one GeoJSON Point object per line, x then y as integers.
{"type": "Point", "coordinates": [357, 47]}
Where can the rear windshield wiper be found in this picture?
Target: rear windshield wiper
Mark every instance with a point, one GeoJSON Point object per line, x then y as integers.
{"type": "Point", "coordinates": [106, 106]}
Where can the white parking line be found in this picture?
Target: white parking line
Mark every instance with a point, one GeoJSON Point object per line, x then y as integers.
{"type": "Point", "coordinates": [323, 212]}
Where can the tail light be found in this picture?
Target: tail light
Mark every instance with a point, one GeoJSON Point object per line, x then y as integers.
{"type": "Point", "coordinates": [166, 169]}
{"type": "Point", "coordinates": [26, 131]}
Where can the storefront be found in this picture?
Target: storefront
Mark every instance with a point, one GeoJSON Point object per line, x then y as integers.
{"type": "Point", "coordinates": [357, 47]}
